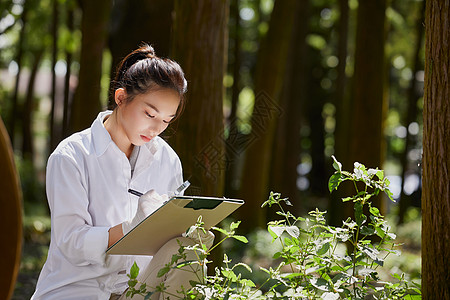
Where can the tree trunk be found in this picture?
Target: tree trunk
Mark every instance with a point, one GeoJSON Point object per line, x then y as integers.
{"type": "Point", "coordinates": [269, 76]}
{"type": "Point", "coordinates": [411, 116]}
{"type": "Point", "coordinates": [339, 210]}
{"type": "Point", "coordinates": [55, 129]}
{"type": "Point", "coordinates": [287, 148]}
{"type": "Point", "coordinates": [366, 131]}
{"type": "Point", "coordinates": [232, 156]}
{"type": "Point", "coordinates": [69, 57]}
{"type": "Point", "coordinates": [27, 116]}
{"type": "Point", "coordinates": [137, 21]}
{"type": "Point", "coordinates": [436, 154]}
{"type": "Point", "coordinates": [199, 46]}
{"type": "Point", "coordinates": [18, 59]}
{"type": "Point", "coordinates": [87, 104]}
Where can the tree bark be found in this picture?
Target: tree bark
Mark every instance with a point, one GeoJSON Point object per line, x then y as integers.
{"type": "Point", "coordinates": [87, 104]}
{"type": "Point", "coordinates": [136, 21]}
{"type": "Point", "coordinates": [199, 46]}
{"type": "Point", "coordinates": [411, 115]}
{"type": "Point", "coordinates": [27, 116]}
{"type": "Point", "coordinates": [269, 76]}
{"type": "Point", "coordinates": [339, 210]}
{"type": "Point", "coordinates": [69, 57]}
{"type": "Point", "coordinates": [369, 103]}
{"type": "Point", "coordinates": [55, 132]}
{"type": "Point", "coordinates": [232, 156]}
{"type": "Point", "coordinates": [287, 149]}
{"type": "Point", "coordinates": [436, 154]}
{"type": "Point", "coordinates": [14, 101]}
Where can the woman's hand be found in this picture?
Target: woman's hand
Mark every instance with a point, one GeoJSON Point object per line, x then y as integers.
{"type": "Point", "coordinates": [148, 203]}
{"type": "Point", "coordinates": [200, 236]}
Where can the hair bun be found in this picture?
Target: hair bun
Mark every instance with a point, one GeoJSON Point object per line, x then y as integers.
{"type": "Point", "coordinates": [147, 50]}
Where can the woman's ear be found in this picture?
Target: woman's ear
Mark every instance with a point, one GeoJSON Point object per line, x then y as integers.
{"type": "Point", "coordinates": [120, 96]}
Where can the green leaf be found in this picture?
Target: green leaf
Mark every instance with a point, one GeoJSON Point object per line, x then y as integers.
{"type": "Point", "coordinates": [134, 271]}
{"type": "Point", "coordinates": [240, 238]}
{"type": "Point", "coordinates": [163, 271]}
{"type": "Point", "coordinates": [336, 165]}
{"type": "Point", "coordinates": [132, 282]}
{"type": "Point", "coordinates": [374, 211]}
{"type": "Point", "coordinates": [324, 249]}
{"type": "Point", "coordinates": [365, 230]}
{"type": "Point", "coordinates": [229, 274]}
{"type": "Point", "coordinates": [380, 174]}
{"type": "Point", "coordinates": [248, 282]}
{"type": "Point", "coordinates": [149, 295]}
{"type": "Point", "coordinates": [359, 215]}
{"type": "Point", "coordinates": [320, 284]}
{"type": "Point", "coordinates": [334, 181]}
{"type": "Point", "coordinates": [234, 225]}
{"type": "Point", "coordinates": [220, 230]}
{"type": "Point", "coordinates": [346, 199]}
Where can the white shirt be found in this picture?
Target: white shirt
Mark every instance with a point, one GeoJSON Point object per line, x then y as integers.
{"type": "Point", "coordinates": [88, 178]}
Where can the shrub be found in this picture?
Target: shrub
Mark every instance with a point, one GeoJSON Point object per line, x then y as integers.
{"type": "Point", "coordinates": [318, 261]}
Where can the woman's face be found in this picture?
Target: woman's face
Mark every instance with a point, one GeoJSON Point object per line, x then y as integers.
{"type": "Point", "coordinates": [147, 115]}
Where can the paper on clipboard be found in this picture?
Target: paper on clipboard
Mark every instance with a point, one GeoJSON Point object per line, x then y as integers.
{"type": "Point", "coordinates": [171, 220]}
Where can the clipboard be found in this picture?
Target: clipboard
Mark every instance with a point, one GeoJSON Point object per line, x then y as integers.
{"type": "Point", "coordinates": [171, 220]}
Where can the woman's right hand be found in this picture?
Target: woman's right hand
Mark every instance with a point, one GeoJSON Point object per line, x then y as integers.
{"type": "Point", "coordinates": [147, 204]}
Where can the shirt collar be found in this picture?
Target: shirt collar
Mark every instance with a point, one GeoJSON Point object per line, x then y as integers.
{"type": "Point", "coordinates": [100, 135]}
{"type": "Point", "coordinates": [102, 138]}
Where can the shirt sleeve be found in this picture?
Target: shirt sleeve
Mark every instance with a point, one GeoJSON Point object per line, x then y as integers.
{"type": "Point", "coordinates": [73, 230]}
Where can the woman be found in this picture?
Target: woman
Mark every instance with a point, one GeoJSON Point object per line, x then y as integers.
{"type": "Point", "coordinates": [90, 172]}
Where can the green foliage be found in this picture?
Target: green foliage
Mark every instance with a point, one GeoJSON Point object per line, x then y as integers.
{"type": "Point", "coordinates": [313, 264]}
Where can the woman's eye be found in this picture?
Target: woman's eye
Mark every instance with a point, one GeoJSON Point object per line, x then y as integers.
{"type": "Point", "coordinates": [167, 122]}
{"type": "Point", "coordinates": [149, 115]}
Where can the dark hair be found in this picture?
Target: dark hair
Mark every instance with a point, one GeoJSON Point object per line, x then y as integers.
{"type": "Point", "coordinates": [142, 71]}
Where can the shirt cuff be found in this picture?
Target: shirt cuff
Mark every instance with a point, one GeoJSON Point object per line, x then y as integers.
{"type": "Point", "coordinates": [96, 244]}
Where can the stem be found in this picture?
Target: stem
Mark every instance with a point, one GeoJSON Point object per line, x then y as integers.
{"type": "Point", "coordinates": [213, 247]}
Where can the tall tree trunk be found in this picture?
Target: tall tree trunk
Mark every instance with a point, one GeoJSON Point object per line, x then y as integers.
{"type": "Point", "coordinates": [269, 75]}
{"type": "Point", "coordinates": [69, 57]}
{"type": "Point", "coordinates": [411, 115]}
{"type": "Point", "coordinates": [287, 148]}
{"type": "Point", "coordinates": [233, 151]}
{"type": "Point", "coordinates": [18, 59]}
{"type": "Point", "coordinates": [55, 133]}
{"type": "Point", "coordinates": [137, 21]}
{"type": "Point", "coordinates": [436, 154]}
{"type": "Point", "coordinates": [199, 45]}
{"type": "Point", "coordinates": [87, 104]}
{"type": "Point", "coordinates": [199, 42]}
{"type": "Point", "coordinates": [366, 144]}
{"type": "Point", "coordinates": [337, 209]}
{"type": "Point", "coordinates": [27, 115]}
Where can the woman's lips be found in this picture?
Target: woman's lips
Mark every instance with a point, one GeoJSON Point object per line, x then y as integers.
{"type": "Point", "coordinates": [145, 139]}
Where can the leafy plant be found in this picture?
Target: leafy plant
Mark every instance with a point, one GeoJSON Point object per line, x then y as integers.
{"type": "Point", "coordinates": [317, 261]}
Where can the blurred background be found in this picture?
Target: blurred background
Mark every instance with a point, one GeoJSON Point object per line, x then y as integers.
{"type": "Point", "coordinates": [276, 87]}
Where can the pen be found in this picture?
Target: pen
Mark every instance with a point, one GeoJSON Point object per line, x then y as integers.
{"type": "Point", "coordinates": [136, 193]}
{"type": "Point", "coordinates": [179, 190]}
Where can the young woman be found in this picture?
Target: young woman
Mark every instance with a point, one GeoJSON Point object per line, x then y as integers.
{"type": "Point", "coordinates": [87, 182]}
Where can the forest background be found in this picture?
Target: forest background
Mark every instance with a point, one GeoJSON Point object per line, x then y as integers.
{"type": "Point", "coordinates": [274, 89]}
